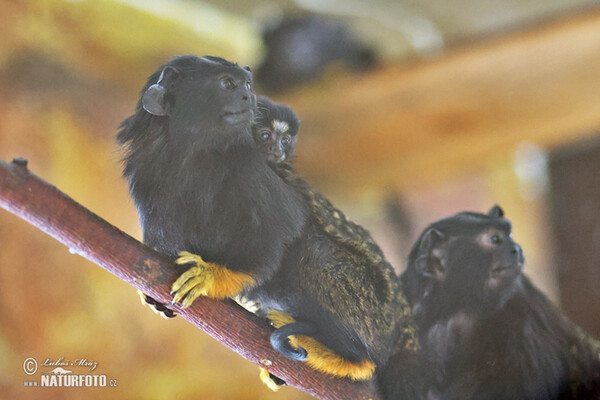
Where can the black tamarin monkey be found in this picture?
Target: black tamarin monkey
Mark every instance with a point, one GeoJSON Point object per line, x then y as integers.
{"type": "Point", "coordinates": [197, 180]}
{"type": "Point", "coordinates": [275, 132]}
{"type": "Point", "coordinates": [299, 49]}
{"type": "Point", "coordinates": [206, 193]}
{"type": "Point", "coordinates": [485, 331]}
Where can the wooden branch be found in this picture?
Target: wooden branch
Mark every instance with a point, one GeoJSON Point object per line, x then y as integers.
{"type": "Point", "coordinates": [88, 235]}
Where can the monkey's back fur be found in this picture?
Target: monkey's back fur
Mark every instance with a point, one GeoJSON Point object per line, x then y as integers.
{"type": "Point", "coordinates": [352, 280]}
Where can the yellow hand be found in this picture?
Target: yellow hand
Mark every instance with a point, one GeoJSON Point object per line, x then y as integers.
{"type": "Point", "coordinates": [206, 279]}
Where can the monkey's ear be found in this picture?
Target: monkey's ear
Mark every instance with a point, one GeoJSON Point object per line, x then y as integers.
{"type": "Point", "coordinates": [429, 259]}
{"type": "Point", "coordinates": [247, 68]}
{"type": "Point", "coordinates": [496, 212]}
{"type": "Point", "coordinates": [153, 99]}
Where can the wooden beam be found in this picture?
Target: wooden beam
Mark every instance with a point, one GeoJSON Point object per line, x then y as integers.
{"type": "Point", "coordinates": [402, 126]}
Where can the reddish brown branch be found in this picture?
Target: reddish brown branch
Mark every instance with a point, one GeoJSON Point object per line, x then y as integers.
{"type": "Point", "coordinates": [53, 212]}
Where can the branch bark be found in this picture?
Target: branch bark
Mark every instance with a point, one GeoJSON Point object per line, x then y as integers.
{"type": "Point", "coordinates": [88, 235]}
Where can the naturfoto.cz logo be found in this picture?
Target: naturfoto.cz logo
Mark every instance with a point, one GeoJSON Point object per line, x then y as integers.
{"type": "Point", "coordinates": [62, 375]}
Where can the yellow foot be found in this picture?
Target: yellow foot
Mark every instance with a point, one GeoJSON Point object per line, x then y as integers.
{"type": "Point", "coordinates": [206, 279]}
{"type": "Point", "coordinates": [322, 358]}
{"type": "Point", "coordinates": [158, 308]}
{"type": "Point", "coordinates": [271, 381]}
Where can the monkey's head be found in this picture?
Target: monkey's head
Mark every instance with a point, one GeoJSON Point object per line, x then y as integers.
{"type": "Point", "coordinates": [275, 130]}
{"type": "Point", "coordinates": [201, 100]}
{"type": "Point", "coordinates": [469, 259]}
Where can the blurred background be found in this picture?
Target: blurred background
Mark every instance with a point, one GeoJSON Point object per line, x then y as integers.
{"type": "Point", "coordinates": [410, 111]}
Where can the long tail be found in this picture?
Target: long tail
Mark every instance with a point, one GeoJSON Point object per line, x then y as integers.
{"type": "Point", "coordinates": [280, 339]}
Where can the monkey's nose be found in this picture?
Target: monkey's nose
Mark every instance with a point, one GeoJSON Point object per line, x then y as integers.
{"type": "Point", "coordinates": [275, 150]}
{"type": "Point", "coordinates": [248, 96]}
{"type": "Point", "coordinates": [518, 250]}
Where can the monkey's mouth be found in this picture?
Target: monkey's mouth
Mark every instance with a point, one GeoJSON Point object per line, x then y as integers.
{"type": "Point", "coordinates": [506, 271]}
{"type": "Point", "coordinates": [237, 117]}
{"type": "Point", "coordinates": [275, 158]}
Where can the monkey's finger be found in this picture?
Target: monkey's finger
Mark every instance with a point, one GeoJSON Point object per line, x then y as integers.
{"type": "Point", "coordinates": [180, 295]}
{"type": "Point", "coordinates": [143, 298]}
{"type": "Point", "coordinates": [155, 306]}
{"type": "Point", "coordinates": [163, 311]}
{"type": "Point", "coordinates": [186, 257]}
{"type": "Point", "coordinates": [279, 318]}
{"type": "Point", "coordinates": [193, 295]}
{"type": "Point", "coordinates": [192, 288]}
{"type": "Point", "coordinates": [188, 275]}
{"type": "Point", "coordinates": [270, 380]}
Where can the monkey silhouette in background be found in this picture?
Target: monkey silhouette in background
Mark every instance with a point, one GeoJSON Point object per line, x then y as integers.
{"type": "Point", "coordinates": [299, 49]}
{"type": "Point", "coordinates": [485, 331]}
{"type": "Point", "coordinates": [208, 198]}
{"type": "Point", "coordinates": [275, 132]}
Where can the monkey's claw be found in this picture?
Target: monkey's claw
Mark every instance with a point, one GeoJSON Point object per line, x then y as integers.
{"type": "Point", "coordinates": [194, 282]}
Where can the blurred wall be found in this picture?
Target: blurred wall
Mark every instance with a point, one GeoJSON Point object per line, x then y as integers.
{"type": "Point", "coordinates": [69, 74]}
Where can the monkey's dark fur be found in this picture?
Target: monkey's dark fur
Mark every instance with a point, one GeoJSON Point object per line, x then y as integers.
{"type": "Point", "coordinates": [354, 267]}
{"type": "Point", "coordinates": [485, 331]}
{"type": "Point", "coordinates": [198, 183]}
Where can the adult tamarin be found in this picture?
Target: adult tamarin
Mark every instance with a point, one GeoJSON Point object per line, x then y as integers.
{"type": "Point", "coordinates": [485, 330]}
{"type": "Point", "coordinates": [197, 180]}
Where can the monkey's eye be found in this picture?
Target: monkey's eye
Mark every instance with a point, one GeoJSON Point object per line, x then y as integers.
{"type": "Point", "coordinates": [227, 83]}
{"type": "Point", "coordinates": [265, 136]}
{"type": "Point", "coordinates": [248, 85]}
{"type": "Point", "coordinates": [285, 140]}
{"type": "Point", "coordinates": [496, 239]}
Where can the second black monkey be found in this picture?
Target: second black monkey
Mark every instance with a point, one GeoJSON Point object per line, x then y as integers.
{"type": "Point", "coordinates": [486, 332]}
